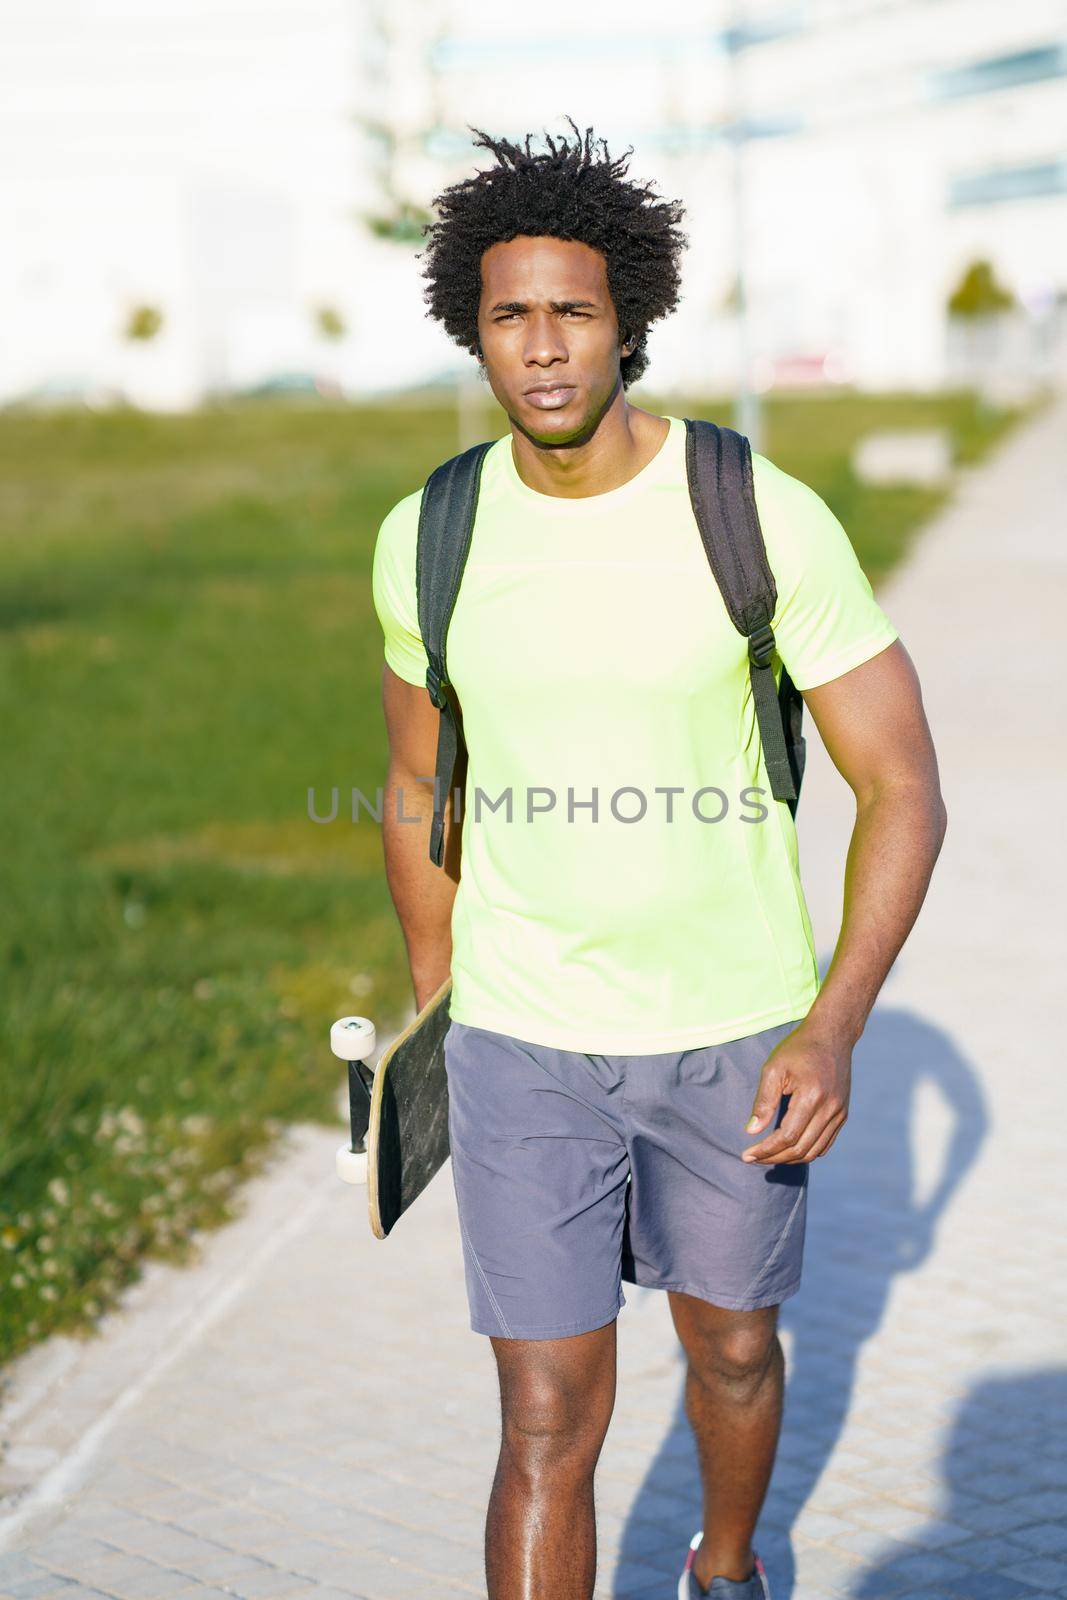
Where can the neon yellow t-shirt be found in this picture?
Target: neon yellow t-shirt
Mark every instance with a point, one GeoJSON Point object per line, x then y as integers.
{"type": "Point", "coordinates": [594, 658]}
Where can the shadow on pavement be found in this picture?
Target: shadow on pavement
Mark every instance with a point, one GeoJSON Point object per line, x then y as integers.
{"type": "Point", "coordinates": [1005, 1472]}
{"type": "Point", "coordinates": [864, 1227]}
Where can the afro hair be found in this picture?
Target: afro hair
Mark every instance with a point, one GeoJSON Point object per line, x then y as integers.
{"type": "Point", "coordinates": [566, 192]}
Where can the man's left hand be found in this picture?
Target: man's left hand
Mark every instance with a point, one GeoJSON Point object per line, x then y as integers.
{"type": "Point", "coordinates": [816, 1074]}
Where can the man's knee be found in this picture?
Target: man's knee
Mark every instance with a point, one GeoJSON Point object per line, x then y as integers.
{"type": "Point", "coordinates": [737, 1349]}
{"type": "Point", "coordinates": [547, 1435]}
{"type": "Point", "coordinates": [555, 1409]}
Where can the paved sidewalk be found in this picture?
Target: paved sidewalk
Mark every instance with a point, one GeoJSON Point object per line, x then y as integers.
{"type": "Point", "coordinates": [289, 1419]}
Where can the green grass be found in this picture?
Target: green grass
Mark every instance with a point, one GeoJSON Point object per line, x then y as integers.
{"type": "Point", "coordinates": [187, 644]}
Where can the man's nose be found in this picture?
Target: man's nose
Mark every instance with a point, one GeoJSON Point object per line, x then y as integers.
{"type": "Point", "coordinates": [544, 341]}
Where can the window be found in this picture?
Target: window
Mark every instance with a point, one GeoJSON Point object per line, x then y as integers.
{"type": "Point", "coordinates": [1001, 72]}
{"type": "Point", "coordinates": [1008, 183]}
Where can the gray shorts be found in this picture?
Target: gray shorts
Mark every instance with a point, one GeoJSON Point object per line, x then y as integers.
{"type": "Point", "coordinates": [574, 1172]}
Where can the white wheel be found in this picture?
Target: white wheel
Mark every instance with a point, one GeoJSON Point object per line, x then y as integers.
{"type": "Point", "coordinates": [351, 1165]}
{"type": "Point", "coordinates": [353, 1038]}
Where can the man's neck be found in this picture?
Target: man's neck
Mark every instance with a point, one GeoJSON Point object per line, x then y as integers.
{"type": "Point", "coordinates": [623, 443]}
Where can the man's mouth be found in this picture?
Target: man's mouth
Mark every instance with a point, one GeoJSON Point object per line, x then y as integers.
{"type": "Point", "coordinates": [552, 398]}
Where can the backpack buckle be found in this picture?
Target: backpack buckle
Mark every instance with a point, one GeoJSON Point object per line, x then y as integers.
{"type": "Point", "coordinates": [435, 684]}
{"type": "Point", "coordinates": [761, 645]}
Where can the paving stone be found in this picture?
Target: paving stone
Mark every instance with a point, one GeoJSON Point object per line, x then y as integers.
{"type": "Point", "coordinates": [913, 1594]}
{"type": "Point", "coordinates": [114, 1573]}
{"type": "Point", "coordinates": [158, 1584]}
{"type": "Point", "coordinates": [1005, 1518]}
{"type": "Point", "coordinates": [37, 1588]}
{"type": "Point", "coordinates": [825, 1565]}
{"type": "Point", "coordinates": [1047, 1503]}
{"type": "Point", "coordinates": [822, 1525]}
{"type": "Point", "coordinates": [847, 1499]}
{"type": "Point", "coordinates": [869, 1542]}
{"type": "Point", "coordinates": [1041, 1538]}
{"type": "Point", "coordinates": [319, 1592]}
{"type": "Point", "coordinates": [206, 1593]}
{"type": "Point", "coordinates": [233, 1526]}
{"type": "Point", "coordinates": [170, 1505]}
{"type": "Point", "coordinates": [1043, 1571]}
{"type": "Point", "coordinates": [638, 1578]}
{"type": "Point", "coordinates": [932, 1533]}
{"type": "Point", "coordinates": [63, 1551]}
{"type": "Point", "coordinates": [930, 1567]}
{"type": "Point", "coordinates": [261, 1583]}
{"type": "Point", "coordinates": [992, 1586]}
{"type": "Point", "coordinates": [78, 1591]}
{"type": "Point", "coordinates": [384, 1580]}
{"type": "Point", "coordinates": [16, 1565]}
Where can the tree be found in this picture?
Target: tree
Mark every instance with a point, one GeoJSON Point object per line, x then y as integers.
{"type": "Point", "coordinates": [329, 322]}
{"type": "Point", "coordinates": [978, 294]}
{"type": "Point", "coordinates": [143, 323]}
{"type": "Point", "coordinates": [731, 300]}
{"type": "Point", "coordinates": [402, 106]}
{"type": "Point", "coordinates": [399, 219]}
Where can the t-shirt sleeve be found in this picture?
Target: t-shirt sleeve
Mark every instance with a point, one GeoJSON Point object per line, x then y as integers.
{"type": "Point", "coordinates": [827, 620]}
{"type": "Point", "coordinates": [393, 589]}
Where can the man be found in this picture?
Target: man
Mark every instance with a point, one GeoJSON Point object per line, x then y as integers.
{"type": "Point", "coordinates": [641, 1061]}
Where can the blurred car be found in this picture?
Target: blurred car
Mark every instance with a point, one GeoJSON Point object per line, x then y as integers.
{"type": "Point", "coordinates": [281, 384]}
{"type": "Point", "coordinates": [60, 394]}
{"type": "Point", "coordinates": [803, 370]}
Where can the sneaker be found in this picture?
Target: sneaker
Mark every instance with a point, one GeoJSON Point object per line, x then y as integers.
{"type": "Point", "coordinates": [753, 1588]}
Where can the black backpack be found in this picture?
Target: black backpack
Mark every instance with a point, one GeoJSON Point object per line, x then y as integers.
{"type": "Point", "coordinates": [719, 469]}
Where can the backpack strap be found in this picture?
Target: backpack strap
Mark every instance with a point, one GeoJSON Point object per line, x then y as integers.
{"type": "Point", "coordinates": [446, 525]}
{"type": "Point", "coordinates": [719, 468]}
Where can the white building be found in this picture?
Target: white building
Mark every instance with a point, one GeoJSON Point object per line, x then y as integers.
{"type": "Point", "coordinates": [193, 155]}
{"type": "Point", "coordinates": [205, 158]}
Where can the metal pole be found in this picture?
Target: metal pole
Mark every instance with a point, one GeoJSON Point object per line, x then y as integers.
{"type": "Point", "coordinates": [470, 423]}
{"type": "Point", "coordinates": [749, 410]}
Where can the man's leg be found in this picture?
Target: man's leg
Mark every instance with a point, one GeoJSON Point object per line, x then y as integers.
{"type": "Point", "coordinates": [556, 1398]}
{"type": "Point", "coordinates": [733, 1399]}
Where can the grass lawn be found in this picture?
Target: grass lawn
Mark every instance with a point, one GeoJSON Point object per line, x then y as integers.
{"type": "Point", "coordinates": [187, 644]}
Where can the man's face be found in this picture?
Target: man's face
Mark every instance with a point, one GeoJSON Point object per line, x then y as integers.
{"type": "Point", "coordinates": [549, 335]}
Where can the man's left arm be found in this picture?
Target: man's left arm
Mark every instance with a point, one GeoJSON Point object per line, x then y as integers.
{"type": "Point", "coordinates": [872, 722]}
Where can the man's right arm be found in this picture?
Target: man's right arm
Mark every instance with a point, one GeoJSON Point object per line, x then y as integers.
{"type": "Point", "coordinates": [423, 893]}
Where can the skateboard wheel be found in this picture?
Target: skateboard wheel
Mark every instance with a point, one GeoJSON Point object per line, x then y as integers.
{"type": "Point", "coordinates": [352, 1038]}
{"type": "Point", "coordinates": [351, 1165]}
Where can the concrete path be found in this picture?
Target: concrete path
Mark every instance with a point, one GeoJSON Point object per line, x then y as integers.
{"type": "Point", "coordinates": [304, 1415]}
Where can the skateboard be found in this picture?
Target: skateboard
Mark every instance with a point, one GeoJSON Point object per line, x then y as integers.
{"type": "Point", "coordinates": [398, 1112]}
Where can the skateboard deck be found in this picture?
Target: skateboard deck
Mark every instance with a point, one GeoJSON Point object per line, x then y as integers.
{"type": "Point", "coordinates": [398, 1112]}
{"type": "Point", "coordinates": [407, 1136]}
